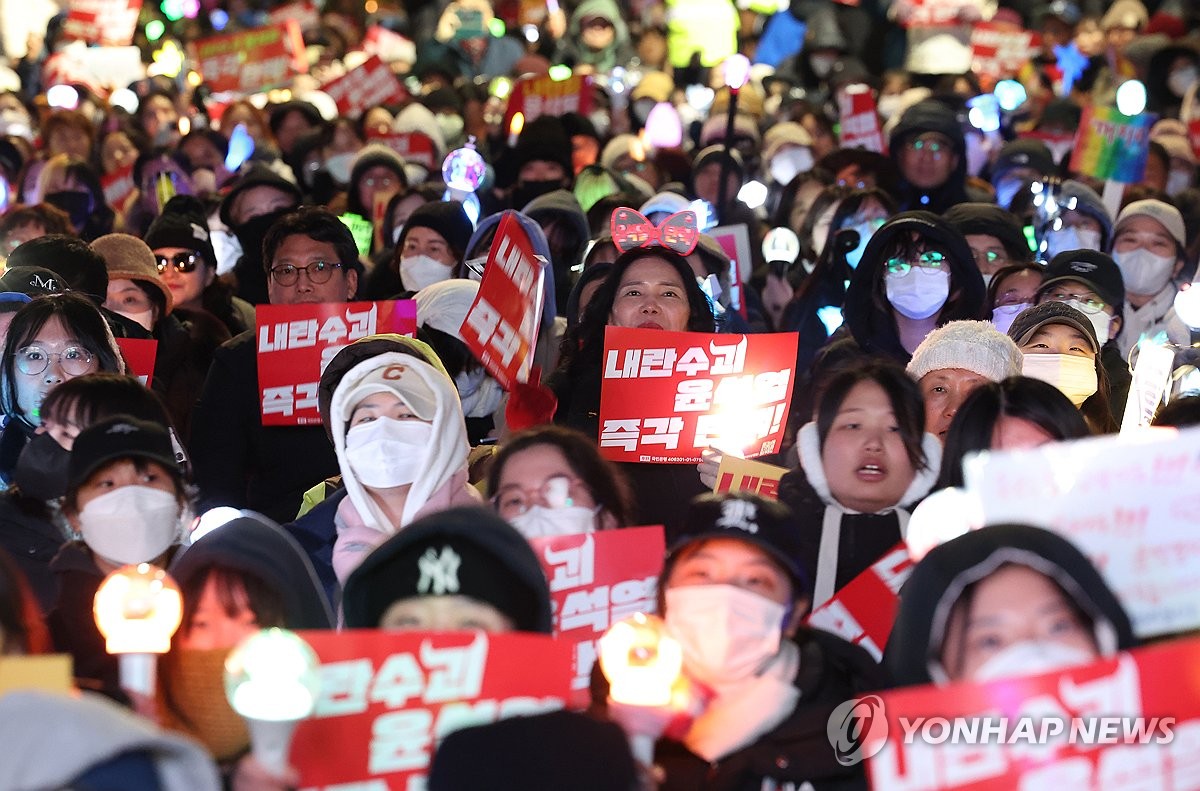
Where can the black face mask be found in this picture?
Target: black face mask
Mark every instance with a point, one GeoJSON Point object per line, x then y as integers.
{"type": "Point", "coordinates": [252, 232]}
{"type": "Point", "coordinates": [41, 471]}
{"type": "Point", "coordinates": [77, 204]}
{"type": "Point", "coordinates": [526, 191]}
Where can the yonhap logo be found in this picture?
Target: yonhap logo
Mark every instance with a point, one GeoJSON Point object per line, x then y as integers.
{"type": "Point", "coordinates": [857, 729]}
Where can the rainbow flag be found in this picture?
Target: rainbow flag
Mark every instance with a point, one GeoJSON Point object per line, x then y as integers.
{"type": "Point", "coordinates": [1110, 145]}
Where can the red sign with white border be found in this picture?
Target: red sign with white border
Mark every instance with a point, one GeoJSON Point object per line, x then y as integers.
{"type": "Point", "coordinates": [1000, 50]}
{"type": "Point", "coordinates": [864, 610]}
{"type": "Point", "coordinates": [103, 22]}
{"type": "Point", "coordinates": [597, 579]}
{"type": "Point", "coordinates": [363, 87]}
{"type": "Point", "coordinates": [251, 60]}
{"type": "Point", "coordinates": [388, 698]}
{"type": "Point", "coordinates": [666, 396]}
{"type": "Point", "coordinates": [296, 342]}
{"type": "Point", "coordinates": [139, 354]}
{"type": "Point", "coordinates": [118, 186]}
{"type": "Point", "coordinates": [536, 96]}
{"type": "Point", "coordinates": [859, 126]}
{"type": "Point", "coordinates": [411, 146]}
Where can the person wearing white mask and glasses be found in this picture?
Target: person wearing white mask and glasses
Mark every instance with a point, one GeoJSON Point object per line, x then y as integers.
{"type": "Point", "coordinates": [1091, 282]}
{"type": "Point", "coordinates": [1148, 246]}
{"type": "Point", "coordinates": [1082, 222]}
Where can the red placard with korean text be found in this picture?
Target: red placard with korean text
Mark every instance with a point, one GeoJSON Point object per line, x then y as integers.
{"type": "Point", "coordinates": [859, 125]}
{"type": "Point", "coordinates": [103, 22]}
{"type": "Point", "coordinates": [1129, 722]}
{"type": "Point", "coordinates": [251, 60]}
{"type": "Point", "coordinates": [596, 579]}
{"type": "Point", "coordinates": [305, 13]}
{"type": "Point", "coordinates": [387, 698]}
{"type": "Point", "coordinates": [1194, 136]}
{"type": "Point", "coordinates": [1000, 50]}
{"type": "Point", "coordinates": [389, 46]}
{"type": "Point", "coordinates": [736, 474]}
{"type": "Point", "coordinates": [296, 342]}
{"type": "Point", "coordinates": [666, 396]}
{"type": "Point", "coordinates": [864, 610]}
{"type": "Point", "coordinates": [118, 186]}
{"type": "Point", "coordinates": [139, 354]}
{"type": "Point", "coordinates": [501, 327]}
{"type": "Point", "coordinates": [928, 13]}
{"type": "Point", "coordinates": [534, 96]}
{"type": "Point", "coordinates": [411, 146]}
{"type": "Point", "coordinates": [370, 84]}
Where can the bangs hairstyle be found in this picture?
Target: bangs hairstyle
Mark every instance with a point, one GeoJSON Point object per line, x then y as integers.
{"type": "Point", "coordinates": [235, 589]}
{"type": "Point", "coordinates": [183, 493]}
{"type": "Point", "coordinates": [605, 481]}
{"type": "Point", "coordinates": [86, 400]}
{"type": "Point", "coordinates": [902, 392]}
{"type": "Point", "coordinates": [82, 321]}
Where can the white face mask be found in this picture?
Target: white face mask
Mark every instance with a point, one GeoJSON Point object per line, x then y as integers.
{"type": "Point", "coordinates": [1100, 320]}
{"type": "Point", "coordinates": [727, 633]}
{"type": "Point", "coordinates": [480, 394]}
{"type": "Point", "coordinates": [1031, 658]}
{"type": "Point", "coordinates": [133, 524]}
{"type": "Point", "coordinates": [1071, 238]}
{"type": "Point", "coordinates": [144, 318]}
{"type": "Point", "coordinates": [822, 64]}
{"type": "Point", "coordinates": [1180, 80]}
{"type": "Point", "coordinates": [451, 126]}
{"type": "Point", "coordinates": [791, 162]}
{"type": "Point", "coordinates": [540, 521]}
{"type": "Point", "coordinates": [419, 271]}
{"type": "Point", "coordinates": [387, 452]}
{"type": "Point", "coordinates": [919, 293]}
{"type": "Point", "coordinates": [865, 231]}
{"type": "Point", "coordinates": [339, 167]}
{"type": "Point", "coordinates": [1074, 376]}
{"type": "Point", "coordinates": [1178, 180]}
{"type": "Point", "coordinates": [1144, 272]}
{"type": "Point", "coordinates": [1003, 315]}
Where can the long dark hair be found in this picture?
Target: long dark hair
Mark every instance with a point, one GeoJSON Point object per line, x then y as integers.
{"type": "Point", "coordinates": [830, 267]}
{"type": "Point", "coordinates": [902, 392]}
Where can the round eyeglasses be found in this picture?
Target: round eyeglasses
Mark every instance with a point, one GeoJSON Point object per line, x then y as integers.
{"type": "Point", "coordinates": [318, 272]}
{"type": "Point", "coordinates": [557, 492]}
{"type": "Point", "coordinates": [74, 360]}
{"type": "Point", "coordinates": [930, 259]}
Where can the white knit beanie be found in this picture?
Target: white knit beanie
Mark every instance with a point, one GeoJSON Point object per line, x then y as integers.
{"type": "Point", "coordinates": [975, 346]}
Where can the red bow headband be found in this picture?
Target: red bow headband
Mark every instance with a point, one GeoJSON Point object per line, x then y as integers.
{"type": "Point", "coordinates": [631, 230]}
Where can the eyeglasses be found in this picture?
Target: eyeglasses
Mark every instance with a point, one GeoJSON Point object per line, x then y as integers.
{"type": "Point", "coordinates": [318, 272]}
{"type": "Point", "coordinates": [930, 259]}
{"type": "Point", "coordinates": [75, 360]}
{"type": "Point", "coordinates": [557, 492]}
{"type": "Point", "coordinates": [381, 181]}
{"type": "Point", "coordinates": [184, 263]}
{"type": "Point", "coordinates": [989, 257]}
{"type": "Point", "coordinates": [1086, 304]}
{"type": "Point", "coordinates": [934, 146]}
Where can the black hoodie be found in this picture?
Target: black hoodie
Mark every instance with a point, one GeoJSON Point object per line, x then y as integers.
{"type": "Point", "coordinates": [939, 580]}
{"type": "Point", "coordinates": [930, 116]}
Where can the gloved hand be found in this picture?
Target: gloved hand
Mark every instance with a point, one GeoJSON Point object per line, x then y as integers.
{"type": "Point", "coordinates": [710, 462]}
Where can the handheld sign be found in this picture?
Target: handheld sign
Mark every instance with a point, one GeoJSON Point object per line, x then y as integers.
{"type": "Point", "coordinates": [251, 60]}
{"type": "Point", "coordinates": [139, 354]}
{"type": "Point", "coordinates": [1129, 722]}
{"type": "Point", "coordinates": [388, 698]}
{"type": "Point", "coordinates": [596, 579]}
{"type": "Point", "coordinates": [534, 96]}
{"type": "Point", "coordinates": [746, 475]}
{"type": "Point", "coordinates": [1112, 146]}
{"type": "Point", "coordinates": [863, 612]}
{"type": "Point", "coordinates": [860, 121]}
{"type": "Point", "coordinates": [1129, 502]}
{"type": "Point", "coordinates": [364, 87]}
{"type": "Point", "coordinates": [501, 327]}
{"type": "Point", "coordinates": [1000, 50]}
{"type": "Point", "coordinates": [666, 396]}
{"type": "Point", "coordinates": [296, 342]}
{"type": "Point", "coordinates": [103, 22]}
{"type": "Point", "coordinates": [735, 241]}
{"type": "Point", "coordinates": [415, 147]}
{"type": "Point", "coordinates": [118, 186]}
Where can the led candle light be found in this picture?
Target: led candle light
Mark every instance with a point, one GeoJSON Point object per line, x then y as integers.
{"type": "Point", "coordinates": [640, 660]}
{"type": "Point", "coordinates": [737, 71]}
{"type": "Point", "coordinates": [137, 609]}
{"type": "Point", "coordinates": [514, 128]}
{"type": "Point", "coordinates": [271, 680]}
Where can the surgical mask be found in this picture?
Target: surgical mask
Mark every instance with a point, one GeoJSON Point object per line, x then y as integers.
{"type": "Point", "coordinates": [41, 471]}
{"type": "Point", "coordinates": [1180, 80]}
{"type": "Point", "coordinates": [1178, 180]}
{"type": "Point", "coordinates": [1074, 376]}
{"type": "Point", "coordinates": [822, 64]}
{"type": "Point", "coordinates": [790, 162]}
{"type": "Point", "coordinates": [145, 317]}
{"type": "Point", "coordinates": [1143, 271]}
{"type": "Point", "coordinates": [339, 166]}
{"type": "Point", "coordinates": [133, 524]}
{"type": "Point", "coordinates": [919, 293]}
{"type": "Point", "coordinates": [1071, 238]}
{"type": "Point", "coordinates": [540, 521]}
{"type": "Point", "coordinates": [727, 634]}
{"type": "Point", "coordinates": [419, 271]}
{"type": "Point", "coordinates": [865, 232]}
{"type": "Point", "coordinates": [1031, 658]}
{"type": "Point", "coordinates": [386, 452]}
{"type": "Point", "coordinates": [1004, 315]}
{"type": "Point", "coordinates": [451, 126]}
{"type": "Point", "coordinates": [1100, 320]}
{"type": "Point", "coordinates": [480, 394]}
{"type": "Point", "coordinates": [78, 205]}
{"type": "Point", "coordinates": [1006, 190]}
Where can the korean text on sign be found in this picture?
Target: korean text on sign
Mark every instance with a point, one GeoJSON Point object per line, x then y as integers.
{"type": "Point", "coordinates": [863, 612]}
{"type": "Point", "coordinates": [597, 579]}
{"type": "Point", "coordinates": [250, 60]}
{"type": "Point", "coordinates": [666, 396]}
{"type": "Point", "coordinates": [388, 698]}
{"type": "Point", "coordinates": [296, 342]}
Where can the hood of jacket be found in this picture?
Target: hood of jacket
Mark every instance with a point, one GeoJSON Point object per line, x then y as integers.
{"type": "Point", "coordinates": [537, 238]}
{"type": "Point", "coordinates": [931, 115]}
{"type": "Point", "coordinates": [912, 655]}
{"type": "Point", "coordinates": [875, 330]}
{"type": "Point", "coordinates": [607, 9]}
{"type": "Point", "coordinates": [445, 457]}
{"type": "Point", "coordinates": [254, 547]}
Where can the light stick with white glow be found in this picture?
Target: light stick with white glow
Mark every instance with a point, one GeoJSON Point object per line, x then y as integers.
{"type": "Point", "coordinates": [137, 609]}
{"type": "Point", "coordinates": [642, 663]}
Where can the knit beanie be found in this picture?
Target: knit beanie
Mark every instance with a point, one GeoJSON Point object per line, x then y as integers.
{"type": "Point", "coordinates": [544, 139]}
{"type": "Point", "coordinates": [129, 258]}
{"type": "Point", "coordinates": [448, 219]}
{"type": "Point", "coordinates": [974, 346]}
{"type": "Point", "coordinates": [180, 226]}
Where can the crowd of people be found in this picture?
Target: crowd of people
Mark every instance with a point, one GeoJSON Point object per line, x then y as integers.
{"type": "Point", "coordinates": [964, 285]}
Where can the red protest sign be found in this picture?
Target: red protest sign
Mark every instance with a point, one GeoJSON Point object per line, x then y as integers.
{"type": "Point", "coordinates": [534, 96]}
{"type": "Point", "coordinates": [596, 579]}
{"type": "Point", "coordinates": [118, 186]}
{"type": "Point", "coordinates": [296, 342]}
{"type": "Point", "coordinates": [501, 327]}
{"type": "Point", "coordinates": [389, 46]}
{"type": "Point", "coordinates": [1000, 50]}
{"type": "Point", "coordinates": [666, 396]}
{"type": "Point", "coordinates": [863, 612]}
{"type": "Point", "coordinates": [370, 84]}
{"type": "Point", "coordinates": [859, 125]}
{"type": "Point", "coordinates": [413, 147]}
{"type": "Point", "coordinates": [735, 474]}
{"type": "Point", "coordinates": [735, 241]}
{"type": "Point", "coordinates": [251, 60]}
{"type": "Point", "coordinates": [103, 22]}
{"type": "Point", "coordinates": [928, 13]}
{"type": "Point", "coordinates": [387, 698]}
{"type": "Point", "coordinates": [305, 14]}
{"type": "Point", "coordinates": [1194, 136]}
{"type": "Point", "coordinates": [139, 354]}
{"type": "Point", "coordinates": [1130, 722]}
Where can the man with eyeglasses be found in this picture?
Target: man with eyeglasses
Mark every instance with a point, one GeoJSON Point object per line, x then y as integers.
{"type": "Point", "coordinates": [309, 257]}
{"type": "Point", "coordinates": [993, 234]}
{"type": "Point", "coordinates": [1091, 282]}
{"type": "Point", "coordinates": [928, 148]}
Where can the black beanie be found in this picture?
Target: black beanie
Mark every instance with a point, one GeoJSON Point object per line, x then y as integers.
{"type": "Point", "coordinates": [544, 139]}
{"type": "Point", "coordinates": [181, 226]}
{"type": "Point", "coordinates": [447, 218]}
{"type": "Point", "coordinates": [988, 219]}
